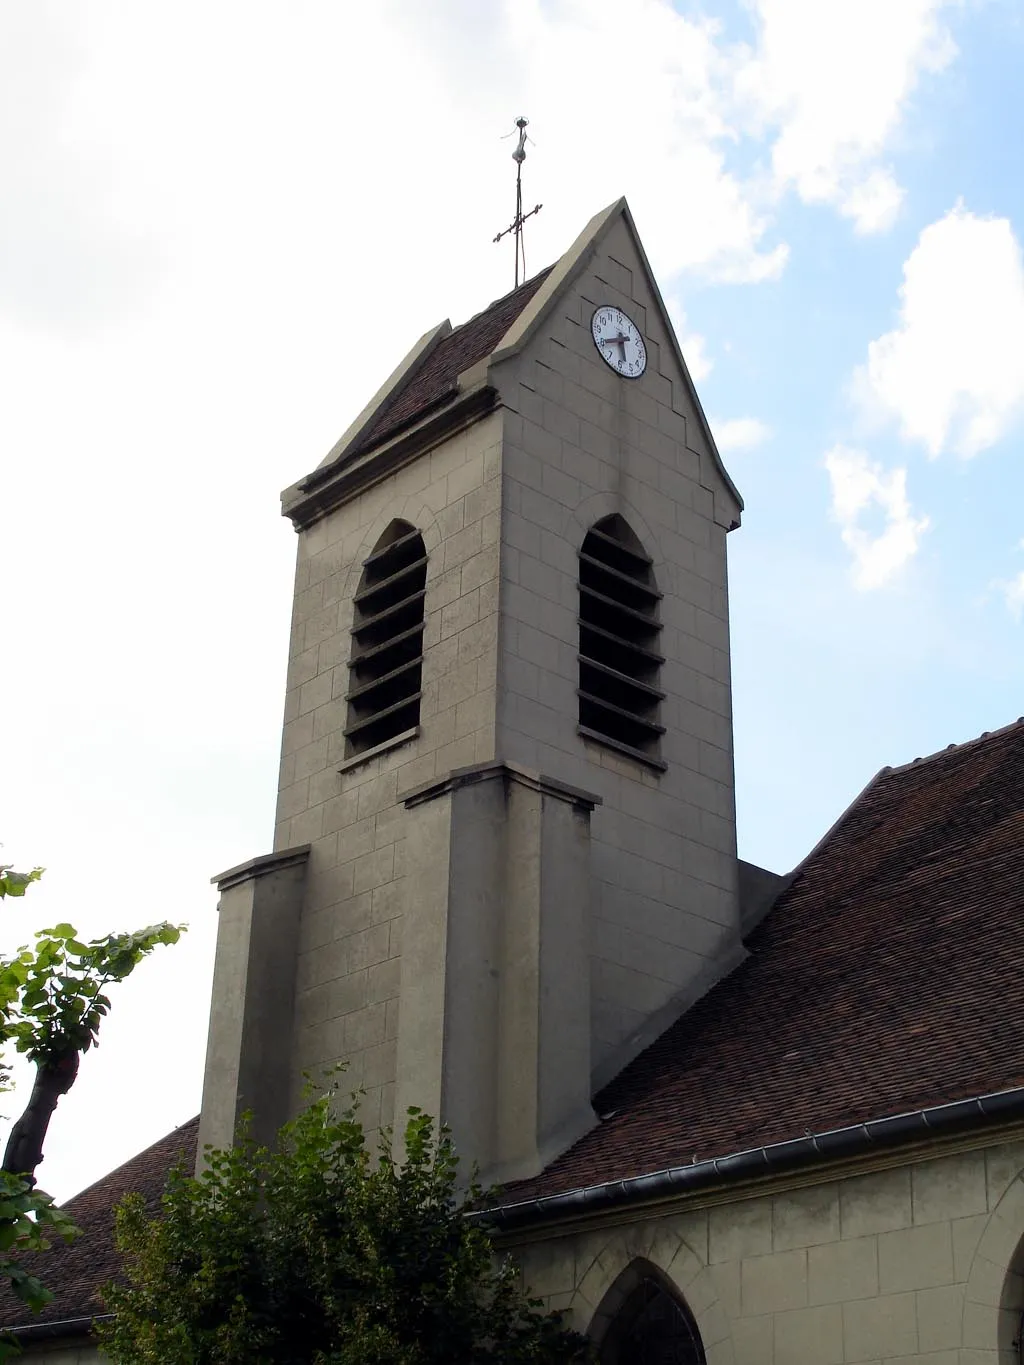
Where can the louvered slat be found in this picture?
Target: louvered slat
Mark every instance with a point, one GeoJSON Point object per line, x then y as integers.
{"type": "Point", "coordinates": [386, 666]}
{"type": "Point", "coordinates": [618, 691]}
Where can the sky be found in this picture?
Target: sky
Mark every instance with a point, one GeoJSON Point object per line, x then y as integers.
{"type": "Point", "coordinates": [223, 224]}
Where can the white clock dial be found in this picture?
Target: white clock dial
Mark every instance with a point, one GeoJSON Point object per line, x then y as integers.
{"type": "Point", "coordinates": [619, 341]}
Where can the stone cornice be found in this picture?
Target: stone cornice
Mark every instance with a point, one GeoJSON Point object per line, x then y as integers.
{"type": "Point", "coordinates": [506, 772]}
{"type": "Point", "coordinates": [326, 488]}
{"type": "Point", "coordinates": [262, 866]}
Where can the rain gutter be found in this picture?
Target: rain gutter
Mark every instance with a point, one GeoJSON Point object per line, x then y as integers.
{"type": "Point", "coordinates": [962, 1116]}
{"type": "Point", "coordinates": [43, 1331]}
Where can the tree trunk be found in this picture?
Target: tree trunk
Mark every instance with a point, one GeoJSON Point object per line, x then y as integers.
{"type": "Point", "coordinates": [25, 1144]}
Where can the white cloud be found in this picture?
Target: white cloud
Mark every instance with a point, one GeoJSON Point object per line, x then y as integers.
{"type": "Point", "coordinates": [692, 344]}
{"type": "Point", "coordinates": [1013, 595]}
{"type": "Point", "coordinates": [860, 486]}
{"type": "Point", "coordinates": [874, 203]}
{"type": "Point", "coordinates": [698, 362]}
{"type": "Point", "coordinates": [835, 79]}
{"type": "Point", "coordinates": [666, 148]}
{"type": "Point", "coordinates": [740, 433]}
{"type": "Point", "coordinates": [1012, 592]}
{"type": "Point", "coordinates": [952, 372]}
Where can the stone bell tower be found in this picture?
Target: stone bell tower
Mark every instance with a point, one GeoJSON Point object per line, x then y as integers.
{"type": "Point", "coordinates": [505, 851]}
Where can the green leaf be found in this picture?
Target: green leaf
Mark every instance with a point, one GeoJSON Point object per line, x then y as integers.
{"type": "Point", "coordinates": [251, 1262]}
{"type": "Point", "coordinates": [15, 883]}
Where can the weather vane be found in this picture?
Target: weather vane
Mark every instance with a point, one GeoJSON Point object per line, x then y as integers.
{"type": "Point", "coordinates": [516, 225]}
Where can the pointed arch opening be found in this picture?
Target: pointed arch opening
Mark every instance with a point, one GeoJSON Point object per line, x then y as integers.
{"type": "Point", "coordinates": [619, 661]}
{"type": "Point", "coordinates": [1010, 1327]}
{"type": "Point", "coordinates": [386, 664]}
{"type": "Point", "coordinates": [644, 1321]}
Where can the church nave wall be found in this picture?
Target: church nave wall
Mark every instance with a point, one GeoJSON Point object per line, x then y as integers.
{"type": "Point", "coordinates": [922, 1262]}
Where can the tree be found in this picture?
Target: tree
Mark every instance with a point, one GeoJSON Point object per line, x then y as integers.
{"type": "Point", "coordinates": [52, 1002]}
{"type": "Point", "coordinates": [315, 1252]}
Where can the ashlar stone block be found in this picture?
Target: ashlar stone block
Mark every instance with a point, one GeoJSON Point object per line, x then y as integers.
{"type": "Point", "coordinates": [843, 1270]}
{"type": "Point", "coordinates": [915, 1258]}
{"type": "Point", "coordinates": [879, 1328]}
{"type": "Point", "coordinates": [966, 1235]}
{"type": "Point", "coordinates": [939, 1314]}
{"type": "Point", "coordinates": [801, 1218]}
{"type": "Point", "coordinates": [769, 1284]}
{"type": "Point", "coordinates": [951, 1187]}
{"type": "Point", "coordinates": [725, 1277]}
{"type": "Point", "coordinates": [753, 1340]}
{"type": "Point", "coordinates": [879, 1202]}
{"type": "Point", "coordinates": [1003, 1165]}
{"type": "Point", "coordinates": [990, 1329]}
{"type": "Point", "coordinates": [803, 1335]}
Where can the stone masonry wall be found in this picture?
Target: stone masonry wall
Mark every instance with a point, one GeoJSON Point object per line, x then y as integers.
{"type": "Point", "coordinates": [581, 443]}
{"type": "Point", "coordinates": [350, 937]}
{"type": "Point", "coordinates": [916, 1265]}
{"type": "Point", "coordinates": [921, 1263]}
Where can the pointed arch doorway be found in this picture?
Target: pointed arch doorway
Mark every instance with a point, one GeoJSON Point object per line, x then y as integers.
{"type": "Point", "coordinates": [649, 1322]}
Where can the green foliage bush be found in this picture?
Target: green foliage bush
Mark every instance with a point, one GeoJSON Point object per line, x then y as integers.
{"type": "Point", "coordinates": [325, 1253]}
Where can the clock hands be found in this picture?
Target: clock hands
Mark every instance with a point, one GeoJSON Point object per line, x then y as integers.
{"type": "Point", "coordinates": [611, 328]}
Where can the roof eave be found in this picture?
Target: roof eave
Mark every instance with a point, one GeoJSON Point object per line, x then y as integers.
{"type": "Point", "coordinates": [80, 1327]}
{"type": "Point", "coordinates": [988, 1111]}
{"type": "Point", "coordinates": [402, 373]}
{"type": "Point", "coordinates": [319, 493]}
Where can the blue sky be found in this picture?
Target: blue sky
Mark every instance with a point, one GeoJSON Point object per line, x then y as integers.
{"type": "Point", "coordinates": [833, 680]}
{"type": "Point", "coordinates": [222, 224]}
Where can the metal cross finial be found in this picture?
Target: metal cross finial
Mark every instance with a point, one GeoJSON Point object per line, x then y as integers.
{"type": "Point", "coordinates": [516, 225]}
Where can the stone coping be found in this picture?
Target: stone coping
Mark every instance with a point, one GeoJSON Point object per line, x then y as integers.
{"type": "Point", "coordinates": [499, 769]}
{"type": "Point", "coordinates": [261, 866]}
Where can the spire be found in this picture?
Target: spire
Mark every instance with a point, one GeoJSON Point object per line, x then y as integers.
{"type": "Point", "coordinates": [516, 225]}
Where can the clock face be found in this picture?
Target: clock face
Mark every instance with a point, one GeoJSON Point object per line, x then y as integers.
{"type": "Point", "coordinates": [619, 342]}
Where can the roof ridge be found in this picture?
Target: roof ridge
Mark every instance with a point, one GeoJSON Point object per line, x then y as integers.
{"type": "Point", "coordinates": [494, 303]}
{"type": "Point", "coordinates": [131, 1160]}
{"type": "Point", "coordinates": [432, 380]}
{"type": "Point", "coordinates": [950, 748]}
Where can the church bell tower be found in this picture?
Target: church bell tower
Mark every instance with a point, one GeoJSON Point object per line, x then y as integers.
{"type": "Point", "coordinates": [505, 853]}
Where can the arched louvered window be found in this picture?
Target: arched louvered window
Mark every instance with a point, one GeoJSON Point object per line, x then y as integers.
{"type": "Point", "coordinates": [652, 1328]}
{"type": "Point", "coordinates": [619, 629]}
{"type": "Point", "coordinates": [387, 641]}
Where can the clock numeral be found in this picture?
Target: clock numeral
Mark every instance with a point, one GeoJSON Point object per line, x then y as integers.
{"type": "Point", "coordinates": [619, 342]}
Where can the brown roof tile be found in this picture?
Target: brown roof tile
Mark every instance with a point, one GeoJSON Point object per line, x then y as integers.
{"type": "Point", "coordinates": [433, 382]}
{"type": "Point", "coordinates": [75, 1272]}
{"type": "Point", "coordinates": [885, 979]}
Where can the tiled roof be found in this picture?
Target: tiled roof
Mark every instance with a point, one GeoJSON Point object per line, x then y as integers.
{"type": "Point", "coordinates": [75, 1272]}
{"type": "Point", "coordinates": [885, 979]}
{"type": "Point", "coordinates": [433, 383]}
